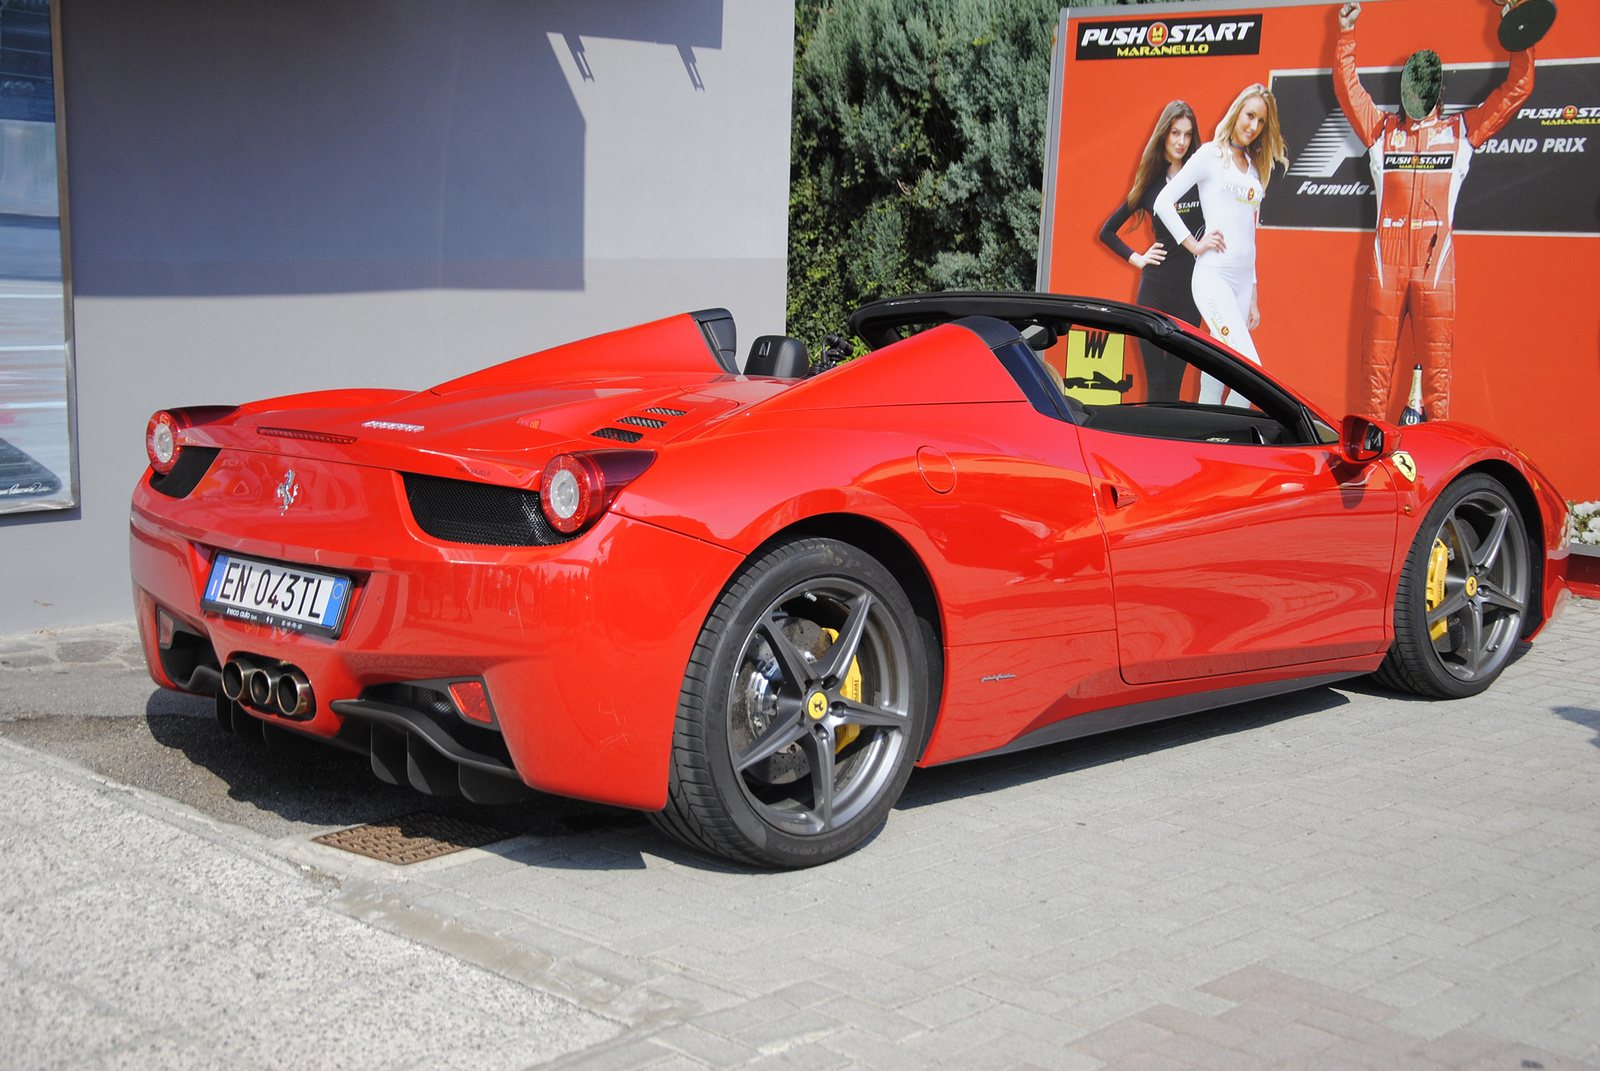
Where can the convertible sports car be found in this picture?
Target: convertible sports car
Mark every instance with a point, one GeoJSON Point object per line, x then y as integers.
{"type": "Point", "coordinates": [750, 603]}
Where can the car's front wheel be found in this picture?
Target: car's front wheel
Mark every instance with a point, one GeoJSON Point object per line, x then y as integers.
{"type": "Point", "coordinates": [1463, 593]}
{"type": "Point", "coordinates": [802, 709]}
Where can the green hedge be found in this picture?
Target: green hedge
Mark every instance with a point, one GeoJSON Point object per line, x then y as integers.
{"type": "Point", "coordinates": [918, 145]}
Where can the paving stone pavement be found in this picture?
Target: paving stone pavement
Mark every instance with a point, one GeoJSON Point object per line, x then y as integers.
{"type": "Point", "coordinates": [134, 935]}
{"type": "Point", "coordinates": [1335, 879]}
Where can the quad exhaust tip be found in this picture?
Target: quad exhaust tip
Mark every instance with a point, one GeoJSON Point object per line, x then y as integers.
{"type": "Point", "coordinates": [262, 684]}
{"type": "Point", "coordinates": [276, 688]}
{"type": "Point", "coordinates": [293, 693]}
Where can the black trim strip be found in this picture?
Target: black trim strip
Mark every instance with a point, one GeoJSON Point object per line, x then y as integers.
{"type": "Point", "coordinates": [1123, 717]}
{"type": "Point", "coordinates": [878, 324]}
{"type": "Point", "coordinates": [722, 338]}
{"type": "Point", "coordinates": [1026, 368]}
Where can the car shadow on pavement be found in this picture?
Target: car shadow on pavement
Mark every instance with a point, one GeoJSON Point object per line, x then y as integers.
{"type": "Point", "coordinates": [958, 779]}
{"type": "Point", "coordinates": [312, 784]}
{"type": "Point", "coordinates": [178, 750]}
{"type": "Point", "coordinates": [1587, 717]}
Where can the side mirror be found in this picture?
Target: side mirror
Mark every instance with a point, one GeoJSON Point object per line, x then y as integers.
{"type": "Point", "coordinates": [1362, 439]}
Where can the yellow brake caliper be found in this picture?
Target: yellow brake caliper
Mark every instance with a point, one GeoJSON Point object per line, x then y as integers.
{"type": "Point", "coordinates": [1438, 563]}
{"type": "Point", "coordinates": [851, 690]}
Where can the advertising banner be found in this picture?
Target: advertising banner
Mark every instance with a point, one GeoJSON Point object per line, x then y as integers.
{"type": "Point", "coordinates": [37, 461]}
{"type": "Point", "coordinates": [1459, 247]}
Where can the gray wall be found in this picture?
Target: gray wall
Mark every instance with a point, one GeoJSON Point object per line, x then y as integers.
{"type": "Point", "coordinates": [270, 196]}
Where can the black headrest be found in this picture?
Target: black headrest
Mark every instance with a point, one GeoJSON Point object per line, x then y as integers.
{"type": "Point", "coordinates": [777, 356]}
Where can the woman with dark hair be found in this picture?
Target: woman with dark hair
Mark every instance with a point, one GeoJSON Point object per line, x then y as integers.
{"type": "Point", "coordinates": [1165, 268]}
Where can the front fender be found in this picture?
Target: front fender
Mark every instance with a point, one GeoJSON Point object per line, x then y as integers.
{"type": "Point", "coordinates": [1445, 451]}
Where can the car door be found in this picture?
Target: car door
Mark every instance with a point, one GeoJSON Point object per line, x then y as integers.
{"type": "Point", "coordinates": [1238, 538]}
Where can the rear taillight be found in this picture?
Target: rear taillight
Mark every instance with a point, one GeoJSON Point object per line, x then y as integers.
{"type": "Point", "coordinates": [577, 488]}
{"type": "Point", "coordinates": [162, 436]}
{"type": "Point", "coordinates": [161, 441]}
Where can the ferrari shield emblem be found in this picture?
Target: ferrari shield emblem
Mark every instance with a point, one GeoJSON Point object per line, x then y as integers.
{"type": "Point", "coordinates": [817, 705]}
{"type": "Point", "coordinates": [1407, 467]}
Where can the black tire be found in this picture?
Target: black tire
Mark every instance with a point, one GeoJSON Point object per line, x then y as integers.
{"type": "Point", "coordinates": [768, 701]}
{"type": "Point", "coordinates": [1458, 646]}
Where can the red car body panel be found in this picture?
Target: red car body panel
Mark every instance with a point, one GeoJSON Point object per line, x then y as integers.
{"type": "Point", "coordinates": [1225, 563]}
{"type": "Point", "coordinates": [1073, 570]}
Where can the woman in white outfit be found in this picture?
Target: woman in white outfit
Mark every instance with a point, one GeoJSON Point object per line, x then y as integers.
{"type": "Point", "coordinates": [1231, 175]}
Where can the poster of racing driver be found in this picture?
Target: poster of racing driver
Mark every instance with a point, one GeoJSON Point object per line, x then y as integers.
{"type": "Point", "coordinates": [1419, 159]}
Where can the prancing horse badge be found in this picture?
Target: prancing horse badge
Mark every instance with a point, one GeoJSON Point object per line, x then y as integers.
{"type": "Point", "coordinates": [1403, 462]}
{"type": "Point", "coordinates": [288, 491]}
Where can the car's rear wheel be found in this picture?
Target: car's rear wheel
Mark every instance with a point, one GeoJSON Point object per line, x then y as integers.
{"type": "Point", "coordinates": [1463, 593]}
{"type": "Point", "coordinates": [802, 709]}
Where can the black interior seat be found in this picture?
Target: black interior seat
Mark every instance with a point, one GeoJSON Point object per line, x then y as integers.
{"type": "Point", "coordinates": [778, 356]}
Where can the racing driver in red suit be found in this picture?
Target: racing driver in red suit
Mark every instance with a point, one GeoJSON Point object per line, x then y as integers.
{"type": "Point", "coordinates": [1418, 162]}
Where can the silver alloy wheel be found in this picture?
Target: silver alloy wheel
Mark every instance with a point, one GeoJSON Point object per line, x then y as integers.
{"type": "Point", "coordinates": [1486, 581]}
{"type": "Point", "coordinates": [819, 706]}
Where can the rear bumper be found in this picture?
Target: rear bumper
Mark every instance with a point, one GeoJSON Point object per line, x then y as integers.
{"type": "Point", "coordinates": [581, 646]}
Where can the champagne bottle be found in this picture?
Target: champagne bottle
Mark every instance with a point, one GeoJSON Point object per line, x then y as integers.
{"type": "Point", "coordinates": [1414, 413]}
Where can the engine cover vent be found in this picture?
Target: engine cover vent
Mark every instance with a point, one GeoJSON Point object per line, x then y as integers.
{"type": "Point", "coordinates": [618, 434]}
{"type": "Point", "coordinates": [643, 422]}
{"type": "Point", "coordinates": [661, 410]}
{"type": "Point", "coordinates": [461, 511]}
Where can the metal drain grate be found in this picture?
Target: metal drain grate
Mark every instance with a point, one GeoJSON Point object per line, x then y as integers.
{"type": "Point", "coordinates": [411, 838]}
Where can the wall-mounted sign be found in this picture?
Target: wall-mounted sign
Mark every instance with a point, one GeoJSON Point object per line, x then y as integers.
{"type": "Point", "coordinates": [1459, 245]}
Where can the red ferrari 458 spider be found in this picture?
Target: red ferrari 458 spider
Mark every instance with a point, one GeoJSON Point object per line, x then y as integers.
{"type": "Point", "coordinates": [750, 603]}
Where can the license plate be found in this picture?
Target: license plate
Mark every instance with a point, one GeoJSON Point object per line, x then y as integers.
{"type": "Point", "coordinates": [273, 593]}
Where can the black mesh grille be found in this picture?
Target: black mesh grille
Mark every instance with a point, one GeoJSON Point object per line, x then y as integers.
{"type": "Point", "coordinates": [442, 712]}
{"type": "Point", "coordinates": [643, 422]}
{"type": "Point", "coordinates": [461, 511]}
{"type": "Point", "coordinates": [191, 467]}
{"type": "Point", "coordinates": [619, 434]}
{"type": "Point", "coordinates": [661, 410]}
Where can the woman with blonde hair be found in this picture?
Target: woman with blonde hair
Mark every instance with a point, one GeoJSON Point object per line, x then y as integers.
{"type": "Point", "coordinates": [1165, 268]}
{"type": "Point", "coordinates": [1231, 174]}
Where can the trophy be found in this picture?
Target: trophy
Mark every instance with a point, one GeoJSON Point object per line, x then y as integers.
{"type": "Point", "coordinates": [1523, 22]}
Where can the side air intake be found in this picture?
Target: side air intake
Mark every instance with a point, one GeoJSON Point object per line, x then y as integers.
{"type": "Point", "coordinates": [192, 465]}
{"type": "Point", "coordinates": [461, 511]}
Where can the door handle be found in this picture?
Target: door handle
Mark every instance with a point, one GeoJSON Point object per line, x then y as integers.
{"type": "Point", "coordinates": [1117, 496]}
